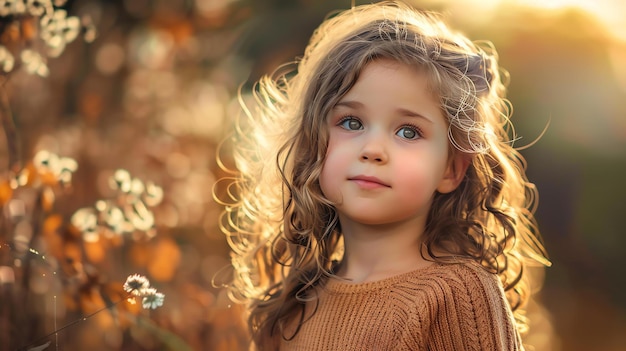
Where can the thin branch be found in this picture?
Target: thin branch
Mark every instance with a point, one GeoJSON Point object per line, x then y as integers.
{"type": "Point", "coordinates": [10, 131]}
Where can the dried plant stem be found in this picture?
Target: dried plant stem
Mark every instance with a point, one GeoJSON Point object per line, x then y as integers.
{"type": "Point", "coordinates": [10, 131]}
{"type": "Point", "coordinates": [36, 222]}
{"type": "Point", "coordinates": [9, 315]}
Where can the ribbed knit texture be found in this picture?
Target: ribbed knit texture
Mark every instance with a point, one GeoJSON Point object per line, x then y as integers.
{"type": "Point", "coordinates": [444, 307]}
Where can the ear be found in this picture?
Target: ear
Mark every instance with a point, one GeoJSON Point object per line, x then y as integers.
{"type": "Point", "coordinates": [455, 172]}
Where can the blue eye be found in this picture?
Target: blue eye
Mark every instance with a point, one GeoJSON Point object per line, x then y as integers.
{"type": "Point", "coordinates": [409, 132]}
{"type": "Point", "coordinates": [351, 123]}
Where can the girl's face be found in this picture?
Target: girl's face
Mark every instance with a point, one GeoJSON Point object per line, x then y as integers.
{"type": "Point", "coordinates": [388, 148]}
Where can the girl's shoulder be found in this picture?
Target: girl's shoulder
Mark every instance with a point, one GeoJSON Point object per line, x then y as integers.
{"type": "Point", "coordinates": [463, 292]}
{"type": "Point", "coordinates": [446, 281]}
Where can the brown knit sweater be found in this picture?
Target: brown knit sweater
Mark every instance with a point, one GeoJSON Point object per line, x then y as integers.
{"type": "Point", "coordinates": [445, 307]}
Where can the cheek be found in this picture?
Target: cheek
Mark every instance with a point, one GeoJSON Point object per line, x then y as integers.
{"type": "Point", "coordinates": [421, 176]}
{"type": "Point", "coordinates": [416, 188]}
{"type": "Point", "coordinates": [329, 183]}
{"type": "Point", "coordinates": [324, 181]}
{"type": "Point", "coordinates": [332, 172]}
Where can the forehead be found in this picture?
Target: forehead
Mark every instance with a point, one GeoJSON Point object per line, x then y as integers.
{"type": "Point", "coordinates": [388, 76]}
{"type": "Point", "coordinates": [388, 88]}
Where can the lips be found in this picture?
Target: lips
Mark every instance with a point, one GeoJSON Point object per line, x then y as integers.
{"type": "Point", "coordinates": [369, 182]}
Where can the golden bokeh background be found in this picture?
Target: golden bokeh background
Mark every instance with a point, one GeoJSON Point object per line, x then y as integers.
{"type": "Point", "coordinates": [112, 116]}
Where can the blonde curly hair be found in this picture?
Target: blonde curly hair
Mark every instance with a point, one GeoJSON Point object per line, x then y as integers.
{"type": "Point", "coordinates": [285, 234]}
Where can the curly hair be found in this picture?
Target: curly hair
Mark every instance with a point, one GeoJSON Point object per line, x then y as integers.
{"type": "Point", "coordinates": [285, 234]}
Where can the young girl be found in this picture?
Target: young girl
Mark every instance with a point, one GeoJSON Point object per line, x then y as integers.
{"type": "Point", "coordinates": [380, 204]}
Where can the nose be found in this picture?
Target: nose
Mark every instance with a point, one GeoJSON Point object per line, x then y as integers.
{"type": "Point", "coordinates": [374, 150]}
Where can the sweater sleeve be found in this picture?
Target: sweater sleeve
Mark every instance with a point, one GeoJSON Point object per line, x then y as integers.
{"type": "Point", "coordinates": [462, 309]}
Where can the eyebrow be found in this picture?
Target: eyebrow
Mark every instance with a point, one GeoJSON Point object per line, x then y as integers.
{"type": "Point", "coordinates": [402, 111]}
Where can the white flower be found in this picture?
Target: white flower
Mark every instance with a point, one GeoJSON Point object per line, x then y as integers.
{"type": "Point", "coordinates": [39, 7]}
{"type": "Point", "coordinates": [153, 300]}
{"type": "Point", "coordinates": [153, 194]}
{"type": "Point", "coordinates": [86, 221]}
{"type": "Point", "coordinates": [137, 285]}
{"type": "Point", "coordinates": [121, 181]}
{"type": "Point", "coordinates": [57, 30]}
{"type": "Point", "coordinates": [34, 63]}
{"type": "Point", "coordinates": [6, 59]}
{"type": "Point", "coordinates": [12, 7]}
{"type": "Point", "coordinates": [60, 167]}
{"type": "Point", "coordinates": [5, 7]}
{"type": "Point", "coordinates": [139, 216]}
{"type": "Point", "coordinates": [134, 214]}
{"type": "Point", "coordinates": [115, 219]}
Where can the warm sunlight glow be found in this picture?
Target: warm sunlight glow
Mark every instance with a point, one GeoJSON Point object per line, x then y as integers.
{"type": "Point", "coordinates": [610, 12]}
{"type": "Point", "coordinates": [556, 4]}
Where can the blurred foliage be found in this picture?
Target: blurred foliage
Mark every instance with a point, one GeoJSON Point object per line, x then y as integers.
{"type": "Point", "coordinates": [109, 161]}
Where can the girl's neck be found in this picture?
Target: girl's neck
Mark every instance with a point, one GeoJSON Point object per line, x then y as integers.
{"type": "Point", "coordinates": [377, 252]}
